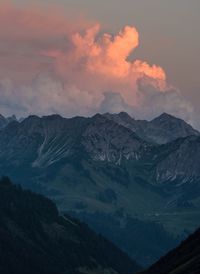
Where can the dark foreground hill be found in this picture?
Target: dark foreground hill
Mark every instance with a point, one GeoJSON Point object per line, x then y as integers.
{"type": "Point", "coordinates": [185, 259]}
{"type": "Point", "coordinates": [35, 239]}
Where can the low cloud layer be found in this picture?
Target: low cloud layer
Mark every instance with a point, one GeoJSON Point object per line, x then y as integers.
{"type": "Point", "coordinates": [71, 67]}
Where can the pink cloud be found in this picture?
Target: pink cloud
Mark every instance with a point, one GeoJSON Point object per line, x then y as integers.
{"type": "Point", "coordinates": [26, 31]}
{"type": "Point", "coordinates": [99, 62]}
{"type": "Point", "coordinates": [66, 64]}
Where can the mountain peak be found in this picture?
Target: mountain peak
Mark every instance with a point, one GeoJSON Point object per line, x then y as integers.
{"type": "Point", "coordinates": [121, 118]}
{"type": "Point", "coordinates": [31, 118]}
{"type": "Point", "coordinates": [53, 117]}
{"type": "Point", "coordinates": [5, 121]}
{"type": "Point", "coordinates": [168, 120]}
{"type": "Point", "coordinates": [124, 114]}
{"type": "Point", "coordinates": [2, 117]}
{"type": "Point", "coordinates": [162, 129]}
{"type": "Point", "coordinates": [99, 117]}
{"type": "Point", "coordinates": [165, 116]}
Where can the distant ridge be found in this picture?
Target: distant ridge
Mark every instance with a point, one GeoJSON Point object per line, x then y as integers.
{"type": "Point", "coordinates": [163, 129]}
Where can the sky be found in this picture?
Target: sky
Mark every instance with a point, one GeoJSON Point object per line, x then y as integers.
{"type": "Point", "coordinates": [85, 56]}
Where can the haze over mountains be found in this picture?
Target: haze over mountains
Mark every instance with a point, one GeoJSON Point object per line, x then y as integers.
{"type": "Point", "coordinates": [118, 174]}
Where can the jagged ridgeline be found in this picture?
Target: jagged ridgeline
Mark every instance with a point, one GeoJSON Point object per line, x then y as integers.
{"type": "Point", "coordinates": [35, 239]}
{"type": "Point", "coordinates": [136, 182]}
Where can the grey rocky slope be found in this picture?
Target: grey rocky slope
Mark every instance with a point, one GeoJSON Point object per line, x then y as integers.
{"type": "Point", "coordinates": [177, 162]}
{"type": "Point", "coordinates": [161, 130]}
{"type": "Point", "coordinates": [41, 142]}
{"type": "Point", "coordinates": [5, 121]}
{"type": "Point", "coordinates": [99, 168]}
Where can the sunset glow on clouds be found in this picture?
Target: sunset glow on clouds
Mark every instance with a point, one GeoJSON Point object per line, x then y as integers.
{"type": "Point", "coordinates": [51, 63]}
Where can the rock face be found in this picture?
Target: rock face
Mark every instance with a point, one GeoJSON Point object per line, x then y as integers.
{"type": "Point", "coordinates": [161, 130]}
{"type": "Point", "coordinates": [41, 142]}
{"type": "Point", "coordinates": [178, 161]}
{"type": "Point", "coordinates": [35, 239]}
{"type": "Point", "coordinates": [182, 260]}
{"type": "Point", "coordinates": [171, 128]}
{"type": "Point", "coordinates": [114, 167]}
{"type": "Point", "coordinates": [106, 140]}
{"type": "Point", "coordinates": [5, 121]}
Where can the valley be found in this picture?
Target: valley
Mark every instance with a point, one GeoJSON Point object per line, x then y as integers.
{"type": "Point", "coordinates": [98, 169]}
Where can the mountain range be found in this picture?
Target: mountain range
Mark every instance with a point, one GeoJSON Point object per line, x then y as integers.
{"type": "Point", "coordinates": [128, 179]}
{"type": "Point", "coordinates": [161, 130]}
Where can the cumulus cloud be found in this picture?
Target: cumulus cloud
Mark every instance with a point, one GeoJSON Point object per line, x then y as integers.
{"type": "Point", "coordinates": [66, 66]}
{"type": "Point", "coordinates": [114, 103]}
{"type": "Point", "coordinates": [153, 101]}
{"type": "Point", "coordinates": [45, 95]}
{"type": "Point", "coordinates": [100, 62]}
